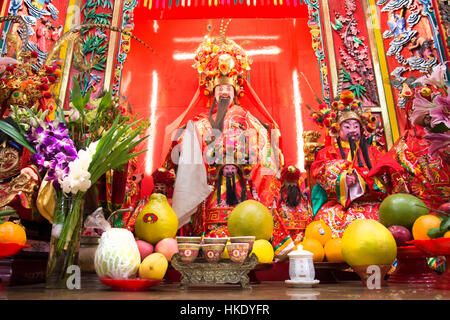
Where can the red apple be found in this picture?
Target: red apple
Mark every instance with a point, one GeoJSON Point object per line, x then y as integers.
{"type": "Point", "coordinates": [145, 248]}
{"type": "Point", "coordinates": [168, 247]}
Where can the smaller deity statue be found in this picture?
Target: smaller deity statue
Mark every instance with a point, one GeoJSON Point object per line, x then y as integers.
{"type": "Point", "coordinates": [292, 214]}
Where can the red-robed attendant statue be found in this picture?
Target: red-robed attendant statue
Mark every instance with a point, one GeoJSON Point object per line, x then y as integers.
{"type": "Point", "coordinates": [344, 190]}
{"type": "Point", "coordinates": [292, 214]}
{"type": "Point", "coordinates": [228, 120]}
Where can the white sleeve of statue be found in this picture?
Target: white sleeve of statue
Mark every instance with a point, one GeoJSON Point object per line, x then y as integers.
{"type": "Point", "coordinates": [355, 191]}
{"type": "Point", "coordinates": [191, 184]}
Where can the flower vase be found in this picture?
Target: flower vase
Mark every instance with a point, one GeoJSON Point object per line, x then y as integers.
{"type": "Point", "coordinates": [65, 239]}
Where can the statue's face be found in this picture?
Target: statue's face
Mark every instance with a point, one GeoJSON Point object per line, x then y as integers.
{"type": "Point", "coordinates": [224, 91]}
{"type": "Point", "coordinates": [160, 188]}
{"type": "Point", "coordinates": [350, 127]}
{"type": "Point", "coordinates": [229, 170]}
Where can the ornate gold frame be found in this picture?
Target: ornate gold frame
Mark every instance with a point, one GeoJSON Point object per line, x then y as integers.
{"type": "Point", "coordinates": [112, 46]}
{"type": "Point", "coordinates": [387, 106]}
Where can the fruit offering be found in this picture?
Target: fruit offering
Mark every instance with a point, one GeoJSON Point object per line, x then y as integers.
{"type": "Point", "coordinates": [11, 232]}
{"type": "Point", "coordinates": [156, 221]}
{"type": "Point", "coordinates": [333, 250]}
{"type": "Point", "coordinates": [315, 247]}
{"type": "Point", "coordinates": [368, 242]}
{"type": "Point", "coordinates": [154, 266]}
{"type": "Point", "coordinates": [250, 218]}
{"type": "Point", "coordinates": [117, 255]}
{"type": "Point", "coordinates": [263, 250]}
{"type": "Point", "coordinates": [401, 235]}
{"type": "Point", "coordinates": [401, 209]}
{"type": "Point", "coordinates": [318, 230]}
{"type": "Point", "coordinates": [168, 247]}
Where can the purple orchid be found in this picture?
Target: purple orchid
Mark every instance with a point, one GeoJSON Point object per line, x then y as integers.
{"type": "Point", "coordinates": [55, 150]}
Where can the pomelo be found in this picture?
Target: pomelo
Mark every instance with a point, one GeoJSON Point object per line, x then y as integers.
{"type": "Point", "coordinates": [401, 209]}
{"type": "Point", "coordinates": [156, 221]}
{"type": "Point", "coordinates": [250, 218]}
{"type": "Point", "coordinates": [368, 242]}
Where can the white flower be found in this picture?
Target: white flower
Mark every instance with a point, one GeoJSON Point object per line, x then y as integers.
{"type": "Point", "coordinates": [79, 177]}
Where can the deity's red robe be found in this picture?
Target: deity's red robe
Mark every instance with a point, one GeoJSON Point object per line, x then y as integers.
{"type": "Point", "coordinates": [345, 204]}
{"type": "Point", "coordinates": [262, 186]}
{"type": "Point", "coordinates": [289, 226]}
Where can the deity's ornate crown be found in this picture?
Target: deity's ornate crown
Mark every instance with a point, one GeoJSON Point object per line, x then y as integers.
{"type": "Point", "coordinates": [221, 61]}
{"type": "Point", "coordinates": [243, 158]}
{"type": "Point", "coordinates": [346, 108]}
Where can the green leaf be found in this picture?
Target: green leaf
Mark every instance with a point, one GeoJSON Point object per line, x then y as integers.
{"type": "Point", "coordinates": [59, 114]}
{"type": "Point", "coordinates": [347, 76]}
{"type": "Point", "coordinates": [105, 102]}
{"type": "Point", "coordinates": [16, 135]}
{"type": "Point", "coordinates": [358, 90]}
{"type": "Point", "coordinates": [440, 128]}
{"type": "Point", "coordinates": [5, 213]}
{"type": "Point", "coordinates": [77, 97]}
{"type": "Point", "coordinates": [445, 224]}
{"type": "Point", "coordinates": [87, 97]}
{"type": "Point", "coordinates": [434, 233]}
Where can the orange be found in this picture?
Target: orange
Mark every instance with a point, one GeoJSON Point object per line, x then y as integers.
{"type": "Point", "coordinates": [315, 247]}
{"type": "Point", "coordinates": [12, 233]}
{"type": "Point", "coordinates": [423, 224]}
{"type": "Point", "coordinates": [333, 250]}
{"type": "Point", "coordinates": [318, 230]}
{"type": "Point", "coordinates": [447, 234]}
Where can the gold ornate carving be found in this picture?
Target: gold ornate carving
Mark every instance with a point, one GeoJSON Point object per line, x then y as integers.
{"type": "Point", "coordinates": [311, 146]}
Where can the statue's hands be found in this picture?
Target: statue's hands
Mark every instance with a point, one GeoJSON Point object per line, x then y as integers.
{"type": "Point", "coordinates": [350, 179]}
{"type": "Point", "coordinates": [386, 178]}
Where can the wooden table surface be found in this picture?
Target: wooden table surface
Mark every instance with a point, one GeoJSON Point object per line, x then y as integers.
{"type": "Point", "coordinates": [93, 289]}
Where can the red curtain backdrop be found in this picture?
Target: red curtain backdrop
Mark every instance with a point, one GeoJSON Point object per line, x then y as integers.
{"type": "Point", "coordinates": [278, 47]}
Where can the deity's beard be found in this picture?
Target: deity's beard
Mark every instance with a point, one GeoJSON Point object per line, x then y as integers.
{"type": "Point", "coordinates": [364, 150]}
{"type": "Point", "coordinates": [232, 198]}
{"type": "Point", "coordinates": [222, 107]}
{"type": "Point", "coordinates": [293, 196]}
